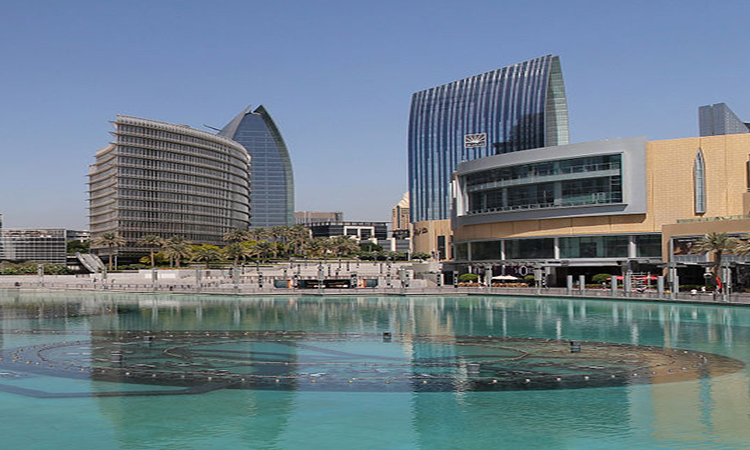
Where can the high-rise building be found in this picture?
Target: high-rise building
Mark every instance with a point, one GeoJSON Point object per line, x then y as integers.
{"type": "Point", "coordinates": [718, 119]}
{"type": "Point", "coordinates": [514, 108]}
{"type": "Point", "coordinates": [271, 177]}
{"type": "Point", "coordinates": [162, 179]}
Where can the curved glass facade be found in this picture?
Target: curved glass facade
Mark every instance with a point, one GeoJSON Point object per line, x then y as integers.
{"type": "Point", "coordinates": [518, 107]}
{"type": "Point", "coordinates": [164, 179]}
{"type": "Point", "coordinates": [271, 177]}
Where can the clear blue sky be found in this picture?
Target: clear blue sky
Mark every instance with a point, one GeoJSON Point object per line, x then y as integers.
{"type": "Point", "coordinates": [337, 76]}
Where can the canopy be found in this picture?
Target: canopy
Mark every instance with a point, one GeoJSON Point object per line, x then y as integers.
{"type": "Point", "coordinates": [644, 277]}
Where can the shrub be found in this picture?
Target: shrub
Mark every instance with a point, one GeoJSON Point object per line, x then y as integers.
{"type": "Point", "coordinates": [468, 278]}
{"type": "Point", "coordinates": [601, 278]}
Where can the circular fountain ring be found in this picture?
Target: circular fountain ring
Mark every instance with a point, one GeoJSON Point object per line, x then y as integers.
{"type": "Point", "coordinates": [280, 360]}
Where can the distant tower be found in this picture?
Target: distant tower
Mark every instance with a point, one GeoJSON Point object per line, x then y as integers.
{"type": "Point", "coordinates": [718, 119]}
{"type": "Point", "coordinates": [400, 217]}
{"type": "Point", "coordinates": [271, 177]}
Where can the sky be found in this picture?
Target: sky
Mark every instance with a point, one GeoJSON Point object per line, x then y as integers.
{"type": "Point", "coordinates": [337, 78]}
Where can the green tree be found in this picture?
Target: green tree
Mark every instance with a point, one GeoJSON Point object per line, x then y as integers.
{"type": "Point", "coordinates": [206, 253]}
{"type": "Point", "coordinates": [74, 247]}
{"type": "Point", "coordinates": [176, 249]}
{"type": "Point", "coordinates": [716, 244]}
{"type": "Point", "coordinates": [151, 241]}
{"type": "Point", "coordinates": [468, 278]}
{"type": "Point", "coordinates": [111, 241]}
{"type": "Point", "coordinates": [370, 247]}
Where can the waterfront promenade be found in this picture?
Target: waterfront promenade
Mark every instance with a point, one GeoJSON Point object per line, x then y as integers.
{"type": "Point", "coordinates": [392, 279]}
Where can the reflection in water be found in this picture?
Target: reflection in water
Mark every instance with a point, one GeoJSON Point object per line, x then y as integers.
{"type": "Point", "coordinates": [710, 412]}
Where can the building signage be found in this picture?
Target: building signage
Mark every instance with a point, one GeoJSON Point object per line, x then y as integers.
{"type": "Point", "coordinates": [475, 140]}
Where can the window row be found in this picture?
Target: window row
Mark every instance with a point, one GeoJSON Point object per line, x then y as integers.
{"type": "Point", "coordinates": [180, 178]}
{"type": "Point", "coordinates": [613, 246]}
{"type": "Point", "coordinates": [161, 134]}
{"type": "Point", "coordinates": [546, 168]}
{"type": "Point", "coordinates": [239, 168]}
{"type": "Point", "coordinates": [548, 195]}
{"type": "Point", "coordinates": [182, 168]}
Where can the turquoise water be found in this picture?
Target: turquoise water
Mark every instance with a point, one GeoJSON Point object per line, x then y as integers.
{"type": "Point", "coordinates": [709, 412]}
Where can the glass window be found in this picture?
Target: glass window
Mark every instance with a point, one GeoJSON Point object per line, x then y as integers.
{"type": "Point", "coordinates": [485, 250]}
{"type": "Point", "coordinates": [699, 183]}
{"type": "Point", "coordinates": [594, 247]}
{"type": "Point", "coordinates": [648, 245]}
{"type": "Point", "coordinates": [462, 252]}
{"type": "Point", "coordinates": [530, 248]}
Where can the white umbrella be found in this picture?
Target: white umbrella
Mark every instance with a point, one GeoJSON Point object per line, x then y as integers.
{"type": "Point", "coordinates": [504, 278]}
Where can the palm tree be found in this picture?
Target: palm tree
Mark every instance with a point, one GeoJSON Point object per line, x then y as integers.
{"type": "Point", "coordinates": [177, 248]}
{"type": "Point", "coordinates": [237, 235]}
{"type": "Point", "coordinates": [151, 241]}
{"type": "Point", "coordinates": [109, 240]}
{"type": "Point", "coordinates": [265, 250]}
{"type": "Point", "coordinates": [205, 253]}
{"type": "Point", "coordinates": [299, 235]}
{"type": "Point", "coordinates": [257, 234]}
{"type": "Point", "coordinates": [742, 247]}
{"type": "Point", "coordinates": [716, 244]}
{"type": "Point", "coordinates": [323, 246]}
{"type": "Point", "coordinates": [343, 246]}
{"type": "Point", "coordinates": [239, 250]}
{"type": "Point", "coordinates": [280, 233]}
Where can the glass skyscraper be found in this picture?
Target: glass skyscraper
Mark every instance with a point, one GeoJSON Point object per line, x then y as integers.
{"type": "Point", "coordinates": [271, 177]}
{"type": "Point", "coordinates": [518, 107]}
{"type": "Point", "coordinates": [718, 119]}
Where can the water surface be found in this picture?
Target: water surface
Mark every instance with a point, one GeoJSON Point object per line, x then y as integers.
{"type": "Point", "coordinates": [706, 412]}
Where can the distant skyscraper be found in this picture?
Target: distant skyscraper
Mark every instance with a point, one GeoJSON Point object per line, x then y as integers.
{"type": "Point", "coordinates": [271, 177]}
{"type": "Point", "coordinates": [515, 108]}
{"type": "Point", "coordinates": [164, 179]}
{"type": "Point", "coordinates": [718, 119]}
{"type": "Point", "coordinates": [400, 215]}
{"type": "Point", "coordinates": [308, 217]}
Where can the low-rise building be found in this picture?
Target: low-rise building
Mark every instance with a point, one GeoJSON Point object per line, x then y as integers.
{"type": "Point", "coordinates": [37, 245]}
{"type": "Point", "coordinates": [606, 206]}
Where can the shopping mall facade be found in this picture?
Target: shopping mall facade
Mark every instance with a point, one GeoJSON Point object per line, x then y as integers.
{"type": "Point", "coordinates": [601, 207]}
